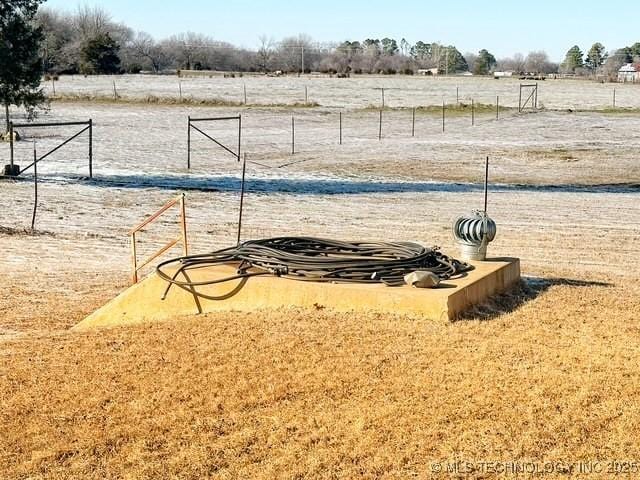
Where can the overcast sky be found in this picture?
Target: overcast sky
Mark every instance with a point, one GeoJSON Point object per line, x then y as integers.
{"type": "Point", "coordinates": [503, 27]}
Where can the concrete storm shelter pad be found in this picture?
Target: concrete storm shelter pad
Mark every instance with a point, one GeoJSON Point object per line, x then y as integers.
{"type": "Point", "coordinates": [143, 302]}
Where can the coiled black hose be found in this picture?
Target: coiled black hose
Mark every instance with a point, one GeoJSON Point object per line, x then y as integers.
{"type": "Point", "coordinates": [313, 259]}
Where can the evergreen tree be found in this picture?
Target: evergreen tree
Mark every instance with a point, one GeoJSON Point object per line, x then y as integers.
{"type": "Point", "coordinates": [100, 55]}
{"type": "Point", "coordinates": [596, 57]}
{"type": "Point", "coordinates": [20, 63]}
{"type": "Point", "coordinates": [389, 46]}
{"type": "Point", "coordinates": [573, 60]}
{"type": "Point", "coordinates": [485, 63]}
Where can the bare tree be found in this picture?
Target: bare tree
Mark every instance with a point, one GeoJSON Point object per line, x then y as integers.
{"type": "Point", "coordinates": [538, 62]}
{"type": "Point", "coordinates": [514, 64]}
{"type": "Point", "coordinates": [265, 53]}
{"type": "Point", "coordinates": [145, 48]}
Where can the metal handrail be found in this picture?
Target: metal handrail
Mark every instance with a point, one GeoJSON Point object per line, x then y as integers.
{"type": "Point", "coordinates": [182, 238]}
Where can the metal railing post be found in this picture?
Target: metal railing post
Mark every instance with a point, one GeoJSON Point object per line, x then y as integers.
{"type": "Point", "coordinates": [134, 258]}
{"type": "Point", "coordinates": [90, 148]}
{"type": "Point", "coordinates": [244, 169]}
{"type": "Point", "coordinates": [413, 122]}
{"type": "Point", "coordinates": [189, 142]}
{"type": "Point", "coordinates": [183, 225]}
{"type": "Point", "coordinates": [11, 145]}
{"type": "Point", "coordinates": [239, 135]}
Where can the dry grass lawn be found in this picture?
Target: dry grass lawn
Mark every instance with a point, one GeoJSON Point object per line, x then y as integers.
{"type": "Point", "coordinates": [298, 394]}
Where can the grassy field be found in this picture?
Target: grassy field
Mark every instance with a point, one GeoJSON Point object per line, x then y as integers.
{"type": "Point", "coordinates": [544, 377]}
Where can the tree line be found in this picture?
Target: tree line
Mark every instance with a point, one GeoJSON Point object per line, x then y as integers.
{"type": "Point", "coordinates": [88, 41]}
{"type": "Point", "coordinates": [598, 61]}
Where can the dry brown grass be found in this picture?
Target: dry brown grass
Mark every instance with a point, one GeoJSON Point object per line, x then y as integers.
{"type": "Point", "coordinates": [552, 375]}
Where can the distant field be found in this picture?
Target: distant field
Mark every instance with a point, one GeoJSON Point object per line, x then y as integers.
{"type": "Point", "coordinates": [354, 92]}
{"type": "Point", "coordinates": [544, 374]}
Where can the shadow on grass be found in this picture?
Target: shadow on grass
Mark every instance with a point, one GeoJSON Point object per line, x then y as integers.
{"type": "Point", "coordinates": [314, 186]}
{"type": "Point", "coordinates": [527, 290]}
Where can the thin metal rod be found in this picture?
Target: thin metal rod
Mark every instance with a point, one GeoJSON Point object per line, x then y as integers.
{"type": "Point", "coordinates": [134, 259]}
{"type": "Point", "coordinates": [35, 186]}
{"type": "Point", "coordinates": [180, 89]}
{"type": "Point", "coordinates": [486, 183]}
{"type": "Point", "coordinates": [210, 119]}
{"type": "Point", "coordinates": [382, 89]}
{"type": "Point", "coordinates": [497, 107]}
{"type": "Point", "coordinates": [306, 95]}
{"type": "Point", "coordinates": [520, 100]}
{"type": "Point", "coordinates": [413, 122]}
{"type": "Point", "coordinates": [457, 96]}
{"type": "Point", "coordinates": [51, 124]}
{"type": "Point", "coordinates": [244, 169]}
{"type": "Point", "coordinates": [11, 145]}
{"type": "Point", "coordinates": [235, 154]}
{"type": "Point", "coordinates": [293, 135]}
{"type": "Point", "coordinates": [443, 117]}
{"type": "Point", "coordinates": [115, 92]}
{"type": "Point", "coordinates": [244, 90]}
{"type": "Point", "coordinates": [614, 98]}
{"type": "Point", "coordinates": [188, 142]}
{"type": "Point", "coordinates": [380, 127]}
{"type": "Point", "coordinates": [90, 148]}
{"type": "Point", "coordinates": [239, 135]}
{"type": "Point", "coordinates": [155, 215]}
{"type": "Point", "coordinates": [183, 225]}
{"type": "Point", "coordinates": [340, 127]}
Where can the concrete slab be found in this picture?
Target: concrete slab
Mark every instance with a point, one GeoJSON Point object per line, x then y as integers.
{"type": "Point", "coordinates": [142, 302]}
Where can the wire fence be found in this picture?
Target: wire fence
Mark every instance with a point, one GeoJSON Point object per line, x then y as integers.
{"type": "Point", "coordinates": [357, 92]}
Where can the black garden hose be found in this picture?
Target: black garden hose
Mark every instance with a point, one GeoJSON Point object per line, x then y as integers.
{"type": "Point", "coordinates": [314, 259]}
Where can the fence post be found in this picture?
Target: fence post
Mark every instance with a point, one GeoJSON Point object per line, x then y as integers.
{"type": "Point", "coordinates": [443, 115]}
{"type": "Point", "coordinates": [293, 135]}
{"type": "Point", "coordinates": [35, 186]}
{"type": "Point", "coordinates": [614, 98]}
{"type": "Point", "coordinates": [457, 96]}
{"type": "Point", "coordinates": [413, 122]}
{"type": "Point", "coordinates": [305, 95]}
{"type": "Point", "coordinates": [183, 225]}
{"type": "Point", "coordinates": [244, 89]}
{"type": "Point", "coordinates": [115, 92]}
{"type": "Point", "coordinates": [53, 85]}
{"type": "Point", "coordinates": [134, 259]}
{"type": "Point", "coordinates": [535, 98]}
{"type": "Point", "coordinates": [520, 100]}
{"type": "Point", "coordinates": [380, 127]}
{"type": "Point", "coordinates": [382, 89]}
{"type": "Point", "coordinates": [239, 135]}
{"type": "Point", "coordinates": [180, 89]}
{"type": "Point", "coordinates": [11, 146]}
{"type": "Point", "coordinates": [244, 168]}
{"type": "Point", "coordinates": [473, 113]}
{"type": "Point", "coordinates": [189, 142]}
{"type": "Point", "coordinates": [90, 148]}
{"type": "Point", "coordinates": [340, 127]}
{"type": "Point", "coordinates": [497, 106]}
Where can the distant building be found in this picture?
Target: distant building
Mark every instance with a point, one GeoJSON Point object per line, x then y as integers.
{"type": "Point", "coordinates": [503, 74]}
{"type": "Point", "coordinates": [629, 72]}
